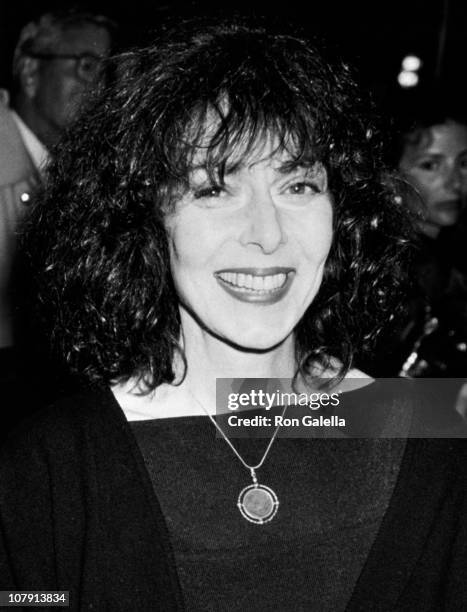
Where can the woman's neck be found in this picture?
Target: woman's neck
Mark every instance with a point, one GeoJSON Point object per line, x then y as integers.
{"type": "Point", "coordinates": [209, 358]}
{"type": "Point", "coordinates": [207, 355]}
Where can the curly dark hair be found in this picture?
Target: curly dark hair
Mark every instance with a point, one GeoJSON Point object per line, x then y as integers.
{"type": "Point", "coordinates": [97, 241]}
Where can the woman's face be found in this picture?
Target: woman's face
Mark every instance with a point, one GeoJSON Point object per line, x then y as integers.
{"type": "Point", "coordinates": [248, 255]}
{"type": "Point", "coordinates": [437, 168]}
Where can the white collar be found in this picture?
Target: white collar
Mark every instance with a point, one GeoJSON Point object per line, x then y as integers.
{"type": "Point", "coordinates": [37, 151]}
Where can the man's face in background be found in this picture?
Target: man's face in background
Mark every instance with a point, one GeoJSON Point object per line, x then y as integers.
{"type": "Point", "coordinates": [62, 82]}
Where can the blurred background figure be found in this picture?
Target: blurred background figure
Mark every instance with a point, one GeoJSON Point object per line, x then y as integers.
{"type": "Point", "coordinates": [431, 155]}
{"type": "Point", "coordinates": [57, 60]}
{"type": "Point", "coordinates": [433, 160]}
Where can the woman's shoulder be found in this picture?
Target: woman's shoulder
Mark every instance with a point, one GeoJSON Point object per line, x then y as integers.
{"type": "Point", "coordinates": [89, 411]}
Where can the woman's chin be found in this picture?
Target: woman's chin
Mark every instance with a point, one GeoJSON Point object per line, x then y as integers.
{"type": "Point", "coordinates": [257, 340]}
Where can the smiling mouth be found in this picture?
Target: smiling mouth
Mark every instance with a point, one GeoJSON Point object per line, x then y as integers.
{"type": "Point", "coordinates": [263, 285]}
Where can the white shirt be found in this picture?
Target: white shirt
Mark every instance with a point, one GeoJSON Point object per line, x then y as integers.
{"type": "Point", "coordinates": [35, 148]}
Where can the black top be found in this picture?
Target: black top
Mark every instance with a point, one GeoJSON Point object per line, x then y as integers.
{"type": "Point", "coordinates": [332, 497]}
{"type": "Point", "coordinates": [439, 292]}
{"type": "Point", "coordinates": [78, 512]}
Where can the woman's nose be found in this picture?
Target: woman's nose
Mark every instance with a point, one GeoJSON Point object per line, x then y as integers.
{"type": "Point", "coordinates": [263, 224]}
{"type": "Point", "coordinates": [455, 181]}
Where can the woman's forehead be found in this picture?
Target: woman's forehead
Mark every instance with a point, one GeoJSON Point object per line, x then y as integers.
{"type": "Point", "coordinates": [444, 139]}
{"type": "Point", "coordinates": [219, 136]}
{"type": "Point", "coordinates": [243, 156]}
{"type": "Point", "coordinates": [247, 151]}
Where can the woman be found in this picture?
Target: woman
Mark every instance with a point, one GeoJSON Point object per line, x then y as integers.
{"type": "Point", "coordinates": [220, 212]}
{"type": "Point", "coordinates": [434, 161]}
{"type": "Point", "coordinates": [432, 157]}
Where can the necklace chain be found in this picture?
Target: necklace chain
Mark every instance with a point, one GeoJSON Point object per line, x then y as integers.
{"type": "Point", "coordinates": [251, 468]}
{"type": "Point", "coordinates": [257, 503]}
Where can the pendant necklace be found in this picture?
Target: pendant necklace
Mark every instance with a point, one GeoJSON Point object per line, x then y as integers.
{"type": "Point", "coordinates": [257, 502]}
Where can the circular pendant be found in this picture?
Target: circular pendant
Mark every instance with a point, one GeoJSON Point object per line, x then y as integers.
{"type": "Point", "coordinates": [258, 503]}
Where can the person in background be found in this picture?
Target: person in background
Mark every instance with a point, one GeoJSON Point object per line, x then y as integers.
{"type": "Point", "coordinates": [433, 160]}
{"type": "Point", "coordinates": [431, 156]}
{"type": "Point", "coordinates": [56, 61]}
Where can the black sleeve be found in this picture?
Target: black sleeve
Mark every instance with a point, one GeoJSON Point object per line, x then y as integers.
{"type": "Point", "coordinates": [27, 559]}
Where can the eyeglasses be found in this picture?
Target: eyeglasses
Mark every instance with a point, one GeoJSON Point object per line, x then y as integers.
{"type": "Point", "coordinates": [87, 65]}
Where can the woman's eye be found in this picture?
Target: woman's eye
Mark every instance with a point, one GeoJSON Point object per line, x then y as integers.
{"type": "Point", "coordinates": [302, 188]}
{"type": "Point", "coordinates": [212, 191]}
{"type": "Point", "coordinates": [430, 165]}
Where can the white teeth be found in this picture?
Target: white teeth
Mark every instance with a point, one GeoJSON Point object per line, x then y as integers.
{"type": "Point", "coordinates": [255, 282]}
{"type": "Point", "coordinates": [250, 282]}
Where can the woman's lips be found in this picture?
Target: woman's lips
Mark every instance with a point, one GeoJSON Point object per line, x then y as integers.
{"type": "Point", "coordinates": [256, 285]}
{"type": "Point", "coordinates": [450, 206]}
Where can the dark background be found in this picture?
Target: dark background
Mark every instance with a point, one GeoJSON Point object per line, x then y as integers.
{"type": "Point", "coordinates": [373, 36]}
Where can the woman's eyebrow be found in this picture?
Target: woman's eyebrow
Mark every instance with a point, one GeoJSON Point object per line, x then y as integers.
{"type": "Point", "coordinates": [312, 168]}
{"type": "Point", "coordinates": [286, 167]}
{"type": "Point", "coordinates": [433, 155]}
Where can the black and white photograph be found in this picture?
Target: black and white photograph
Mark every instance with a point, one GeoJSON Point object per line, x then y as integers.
{"type": "Point", "coordinates": [233, 306]}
